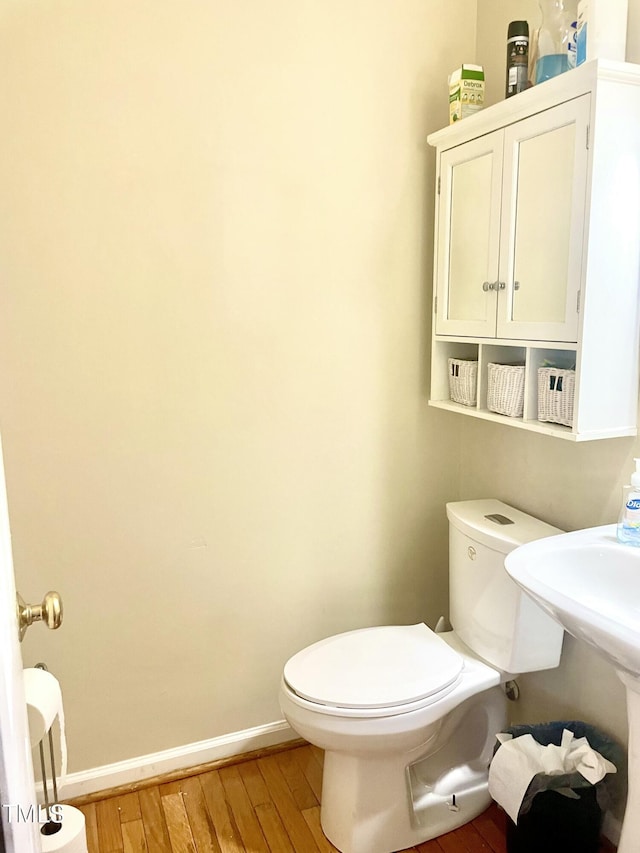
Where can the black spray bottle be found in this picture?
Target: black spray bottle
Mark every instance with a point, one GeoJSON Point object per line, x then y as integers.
{"type": "Point", "coordinates": [517, 57]}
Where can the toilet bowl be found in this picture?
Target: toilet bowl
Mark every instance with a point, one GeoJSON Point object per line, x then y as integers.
{"type": "Point", "coordinates": [374, 753]}
{"type": "Point", "coordinates": [407, 717]}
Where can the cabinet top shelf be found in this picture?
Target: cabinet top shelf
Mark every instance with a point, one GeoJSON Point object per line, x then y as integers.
{"type": "Point", "coordinates": [564, 87]}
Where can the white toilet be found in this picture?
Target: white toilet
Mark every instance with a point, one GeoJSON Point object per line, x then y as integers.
{"type": "Point", "coordinates": [408, 717]}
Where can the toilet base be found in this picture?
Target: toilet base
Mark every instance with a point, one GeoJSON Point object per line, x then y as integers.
{"type": "Point", "coordinates": [388, 802]}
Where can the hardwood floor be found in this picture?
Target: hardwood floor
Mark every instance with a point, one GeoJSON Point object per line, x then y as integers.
{"type": "Point", "coordinates": [263, 805]}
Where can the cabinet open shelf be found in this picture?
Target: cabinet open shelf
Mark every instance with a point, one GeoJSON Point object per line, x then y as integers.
{"type": "Point", "coordinates": [532, 354]}
{"type": "Point", "coordinates": [546, 428]}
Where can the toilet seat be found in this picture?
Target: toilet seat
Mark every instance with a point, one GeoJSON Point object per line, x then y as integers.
{"type": "Point", "coordinates": [373, 669]}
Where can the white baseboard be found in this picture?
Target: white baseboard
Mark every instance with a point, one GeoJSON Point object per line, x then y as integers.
{"type": "Point", "coordinates": [178, 758]}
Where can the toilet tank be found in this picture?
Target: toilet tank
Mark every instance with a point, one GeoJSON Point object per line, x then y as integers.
{"type": "Point", "coordinates": [487, 610]}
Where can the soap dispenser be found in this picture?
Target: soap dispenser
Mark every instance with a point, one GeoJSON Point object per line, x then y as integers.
{"type": "Point", "coordinates": [629, 521]}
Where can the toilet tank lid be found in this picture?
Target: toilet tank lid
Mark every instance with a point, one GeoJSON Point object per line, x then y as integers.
{"type": "Point", "coordinates": [497, 525]}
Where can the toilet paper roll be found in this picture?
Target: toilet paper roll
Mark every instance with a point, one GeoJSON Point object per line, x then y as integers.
{"type": "Point", "coordinates": [44, 704]}
{"type": "Point", "coordinates": [72, 836]}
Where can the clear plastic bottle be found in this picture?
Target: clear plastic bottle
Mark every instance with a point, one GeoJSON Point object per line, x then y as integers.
{"type": "Point", "coordinates": [556, 38]}
{"type": "Point", "coordinates": [629, 521]}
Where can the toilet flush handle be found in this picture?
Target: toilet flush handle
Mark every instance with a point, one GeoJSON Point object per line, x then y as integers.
{"type": "Point", "coordinates": [50, 612]}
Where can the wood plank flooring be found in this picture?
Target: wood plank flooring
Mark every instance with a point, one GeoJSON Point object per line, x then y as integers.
{"type": "Point", "coordinates": [263, 805]}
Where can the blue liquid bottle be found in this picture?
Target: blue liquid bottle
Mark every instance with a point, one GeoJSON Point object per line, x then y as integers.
{"type": "Point", "coordinates": [556, 38]}
{"type": "Point", "coordinates": [629, 521]}
{"type": "Point", "coordinates": [550, 66]}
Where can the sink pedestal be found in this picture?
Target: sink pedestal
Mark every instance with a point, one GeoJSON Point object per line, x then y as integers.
{"type": "Point", "coordinates": [630, 835]}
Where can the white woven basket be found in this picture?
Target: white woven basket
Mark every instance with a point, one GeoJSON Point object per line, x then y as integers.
{"type": "Point", "coordinates": [505, 389]}
{"type": "Point", "coordinates": [556, 390]}
{"type": "Point", "coordinates": [463, 381]}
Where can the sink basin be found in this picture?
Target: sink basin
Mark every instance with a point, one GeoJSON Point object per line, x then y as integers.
{"type": "Point", "coordinates": [590, 583]}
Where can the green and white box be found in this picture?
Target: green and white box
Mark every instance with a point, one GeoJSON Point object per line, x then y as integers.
{"type": "Point", "coordinates": [466, 92]}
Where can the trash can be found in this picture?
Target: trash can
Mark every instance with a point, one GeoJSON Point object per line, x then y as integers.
{"type": "Point", "coordinates": [562, 813]}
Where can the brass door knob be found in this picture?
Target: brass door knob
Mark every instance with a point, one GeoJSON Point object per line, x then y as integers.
{"type": "Point", "coordinates": [49, 612]}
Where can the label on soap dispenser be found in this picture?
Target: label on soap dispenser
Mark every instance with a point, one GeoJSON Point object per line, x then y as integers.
{"type": "Point", "coordinates": [633, 508]}
{"type": "Point", "coordinates": [628, 530]}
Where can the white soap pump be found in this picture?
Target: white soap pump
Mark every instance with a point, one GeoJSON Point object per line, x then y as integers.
{"type": "Point", "coordinates": [629, 520]}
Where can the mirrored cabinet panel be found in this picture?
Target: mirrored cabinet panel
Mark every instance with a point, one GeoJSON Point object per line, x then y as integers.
{"type": "Point", "coordinates": [470, 232]}
{"type": "Point", "coordinates": [542, 228]}
{"type": "Point", "coordinates": [543, 202]}
{"type": "Point", "coordinates": [470, 193]}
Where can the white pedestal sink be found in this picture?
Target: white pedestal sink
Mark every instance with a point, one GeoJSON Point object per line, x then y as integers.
{"type": "Point", "coordinates": [590, 583]}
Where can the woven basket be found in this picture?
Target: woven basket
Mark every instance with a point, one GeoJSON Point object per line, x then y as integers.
{"type": "Point", "coordinates": [556, 390]}
{"type": "Point", "coordinates": [505, 389]}
{"type": "Point", "coordinates": [463, 381]}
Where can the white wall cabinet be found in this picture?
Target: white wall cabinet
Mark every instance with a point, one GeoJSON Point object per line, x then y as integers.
{"type": "Point", "coordinates": [511, 213]}
{"type": "Point", "coordinates": [537, 246]}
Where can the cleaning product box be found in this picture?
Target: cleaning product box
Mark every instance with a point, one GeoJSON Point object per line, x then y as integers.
{"type": "Point", "coordinates": [466, 92]}
{"type": "Point", "coordinates": [602, 30]}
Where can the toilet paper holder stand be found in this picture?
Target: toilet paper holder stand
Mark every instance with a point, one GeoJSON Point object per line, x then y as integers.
{"type": "Point", "coordinates": [52, 825]}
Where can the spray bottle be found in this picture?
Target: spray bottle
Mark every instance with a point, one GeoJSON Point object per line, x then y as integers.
{"type": "Point", "coordinates": [629, 520]}
{"type": "Point", "coordinates": [517, 58]}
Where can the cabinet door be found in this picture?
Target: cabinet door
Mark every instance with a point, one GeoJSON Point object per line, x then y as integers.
{"type": "Point", "coordinates": [467, 237]}
{"type": "Point", "coordinates": [543, 214]}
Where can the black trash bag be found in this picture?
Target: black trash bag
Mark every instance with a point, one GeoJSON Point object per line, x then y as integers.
{"type": "Point", "coordinates": [563, 813]}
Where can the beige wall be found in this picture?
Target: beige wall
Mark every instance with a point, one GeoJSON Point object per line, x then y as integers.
{"type": "Point", "coordinates": [569, 485]}
{"type": "Point", "coordinates": [215, 233]}
{"type": "Point", "coordinates": [633, 32]}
